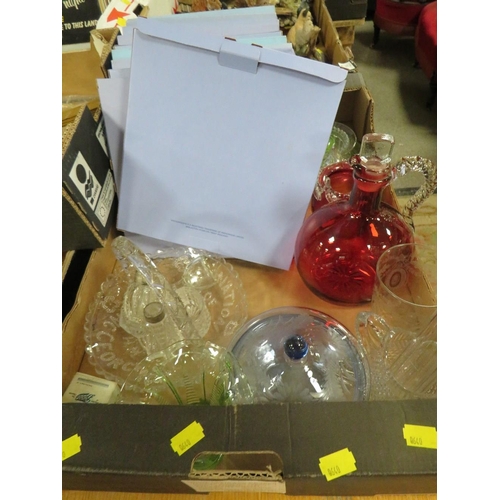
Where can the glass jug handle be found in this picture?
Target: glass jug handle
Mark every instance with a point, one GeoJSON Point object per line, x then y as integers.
{"type": "Point", "coordinates": [371, 332]}
{"type": "Point", "coordinates": [429, 170]}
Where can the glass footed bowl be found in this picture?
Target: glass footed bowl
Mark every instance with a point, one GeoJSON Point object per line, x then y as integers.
{"type": "Point", "coordinates": [192, 273]}
{"type": "Point", "coordinates": [295, 354]}
{"type": "Point", "coordinates": [189, 372]}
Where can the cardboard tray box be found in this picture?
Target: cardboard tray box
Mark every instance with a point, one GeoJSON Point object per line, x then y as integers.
{"type": "Point", "coordinates": [266, 448]}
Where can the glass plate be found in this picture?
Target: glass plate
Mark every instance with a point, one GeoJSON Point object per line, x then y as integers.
{"type": "Point", "coordinates": [114, 353]}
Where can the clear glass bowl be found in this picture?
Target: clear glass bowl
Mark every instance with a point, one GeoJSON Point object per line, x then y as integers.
{"type": "Point", "coordinates": [297, 354]}
{"type": "Point", "coordinates": [114, 353]}
{"type": "Point", "coordinates": [189, 372]}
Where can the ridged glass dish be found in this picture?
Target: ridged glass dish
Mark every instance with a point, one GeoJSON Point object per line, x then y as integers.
{"type": "Point", "coordinates": [296, 354]}
{"type": "Point", "coordinates": [114, 353]}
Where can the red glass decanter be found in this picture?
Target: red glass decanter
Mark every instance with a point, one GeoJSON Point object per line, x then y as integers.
{"type": "Point", "coordinates": [338, 246]}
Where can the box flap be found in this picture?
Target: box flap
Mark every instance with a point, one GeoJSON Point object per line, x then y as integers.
{"type": "Point", "coordinates": [372, 431]}
{"type": "Point", "coordinates": [185, 35]}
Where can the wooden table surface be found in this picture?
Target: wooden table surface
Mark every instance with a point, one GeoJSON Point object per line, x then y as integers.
{"type": "Point", "coordinates": [98, 495]}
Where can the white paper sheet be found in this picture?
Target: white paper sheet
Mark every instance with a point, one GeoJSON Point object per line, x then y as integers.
{"type": "Point", "coordinates": [220, 158]}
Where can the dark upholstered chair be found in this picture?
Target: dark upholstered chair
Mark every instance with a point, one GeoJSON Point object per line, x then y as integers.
{"type": "Point", "coordinates": [396, 17]}
{"type": "Point", "coordinates": [426, 47]}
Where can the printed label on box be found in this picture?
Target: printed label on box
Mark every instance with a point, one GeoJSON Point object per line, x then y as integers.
{"type": "Point", "coordinates": [106, 200]}
{"type": "Point", "coordinates": [101, 135]}
{"type": "Point", "coordinates": [71, 446]}
{"type": "Point", "coordinates": [187, 438]}
{"type": "Point", "coordinates": [337, 464]}
{"type": "Point", "coordinates": [420, 436]}
{"type": "Point", "coordinates": [85, 181]}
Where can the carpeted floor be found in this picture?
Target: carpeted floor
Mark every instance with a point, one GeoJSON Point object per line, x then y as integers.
{"type": "Point", "coordinates": [400, 92]}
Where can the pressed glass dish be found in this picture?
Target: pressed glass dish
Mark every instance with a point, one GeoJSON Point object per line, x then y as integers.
{"type": "Point", "coordinates": [114, 353]}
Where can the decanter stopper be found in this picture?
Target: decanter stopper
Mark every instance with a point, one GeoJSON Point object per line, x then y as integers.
{"type": "Point", "coordinates": [374, 158]}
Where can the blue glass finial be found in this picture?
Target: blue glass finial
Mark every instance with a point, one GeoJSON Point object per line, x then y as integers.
{"type": "Point", "coordinates": [296, 347]}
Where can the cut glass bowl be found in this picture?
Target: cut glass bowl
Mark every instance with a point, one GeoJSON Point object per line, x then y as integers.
{"type": "Point", "coordinates": [114, 353]}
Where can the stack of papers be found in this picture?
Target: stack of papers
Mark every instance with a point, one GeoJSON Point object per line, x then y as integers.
{"type": "Point", "coordinates": [216, 131]}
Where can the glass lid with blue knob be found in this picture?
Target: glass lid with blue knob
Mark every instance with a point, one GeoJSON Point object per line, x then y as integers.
{"type": "Point", "coordinates": [296, 354]}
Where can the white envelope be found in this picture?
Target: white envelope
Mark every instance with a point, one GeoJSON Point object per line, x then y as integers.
{"type": "Point", "coordinates": [225, 22]}
{"type": "Point", "coordinates": [115, 115]}
{"type": "Point", "coordinates": [223, 142]}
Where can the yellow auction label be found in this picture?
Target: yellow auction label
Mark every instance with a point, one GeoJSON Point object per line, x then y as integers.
{"type": "Point", "coordinates": [337, 464]}
{"type": "Point", "coordinates": [187, 438]}
{"type": "Point", "coordinates": [71, 446]}
{"type": "Point", "coordinates": [420, 436]}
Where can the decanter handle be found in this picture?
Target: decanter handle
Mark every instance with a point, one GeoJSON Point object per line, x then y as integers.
{"type": "Point", "coordinates": [429, 170]}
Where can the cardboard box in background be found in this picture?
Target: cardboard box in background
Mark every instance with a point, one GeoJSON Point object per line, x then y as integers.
{"type": "Point", "coordinates": [80, 70]}
{"type": "Point", "coordinates": [103, 41]}
{"type": "Point", "coordinates": [89, 200]}
{"type": "Point", "coordinates": [335, 53]}
{"type": "Point", "coordinates": [356, 106]}
{"type": "Point", "coordinates": [332, 45]}
{"type": "Point", "coordinates": [341, 10]}
{"type": "Point", "coordinates": [265, 448]}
